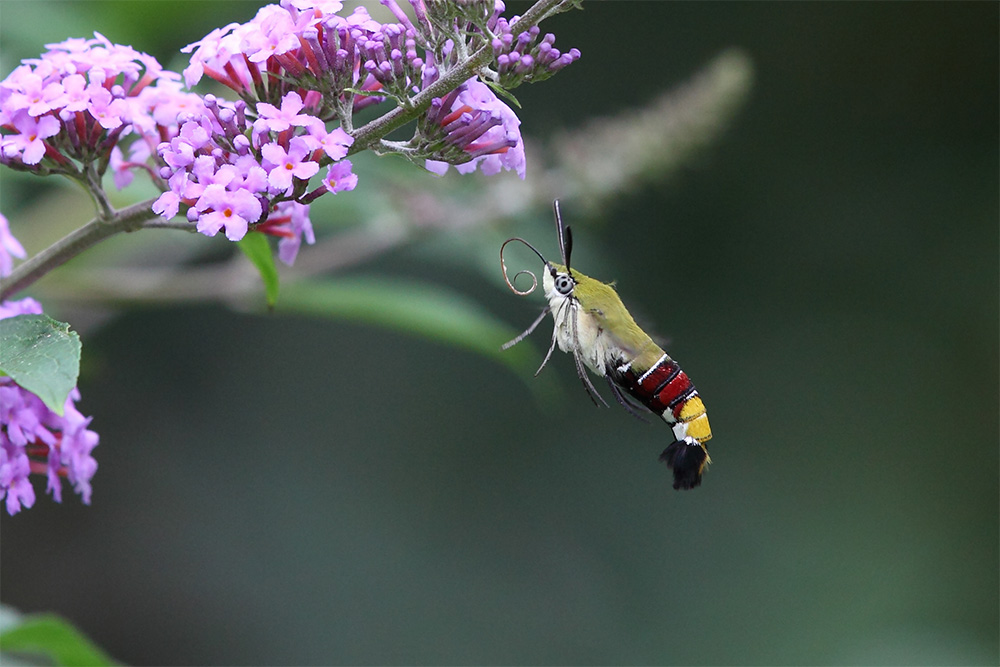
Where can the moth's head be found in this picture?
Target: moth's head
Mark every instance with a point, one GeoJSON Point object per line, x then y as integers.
{"type": "Point", "coordinates": [558, 279]}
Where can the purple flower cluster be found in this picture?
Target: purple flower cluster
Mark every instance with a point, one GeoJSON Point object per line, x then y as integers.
{"type": "Point", "coordinates": [79, 99]}
{"type": "Point", "coordinates": [439, 21]}
{"type": "Point", "coordinates": [520, 57]}
{"type": "Point", "coordinates": [87, 104]}
{"type": "Point", "coordinates": [338, 64]}
{"type": "Point", "coordinates": [471, 128]}
{"type": "Point", "coordinates": [389, 55]}
{"type": "Point", "coordinates": [524, 58]}
{"type": "Point", "coordinates": [297, 46]}
{"type": "Point", "coordinates": [33, 439]}
{"type": "Point", "coordinates": [296, 66]}
{"type": "Point", "coordinates": [233, 172]}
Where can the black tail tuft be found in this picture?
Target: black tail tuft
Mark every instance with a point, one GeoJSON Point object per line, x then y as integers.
{"type": "Point", "coordinates": [688, 459]}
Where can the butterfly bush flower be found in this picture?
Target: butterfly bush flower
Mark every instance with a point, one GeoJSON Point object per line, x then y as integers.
{"type": "Point", "coordinates": [523, 58]}
{"type": "Point", "coordinates": [300, 70]}
{"type": "Point", "coordinates": [10, 248]}
{"type": "Point", "coordinates": [67, 110]}
{"type": "Point", "coordinates": [33, 439]}
{"type": "Point", "coordinates": [87, 104]}
{"type": "Point", "coordinates": [471, 128]}
{"type": "Point", "coordinates": [295, 46]}
{"type": "Point", "coordinates": [520, 57]}
{"type": "Point", "coordinates": [233, 173]}
{"type": "Point", "coordinates": [336, 64]}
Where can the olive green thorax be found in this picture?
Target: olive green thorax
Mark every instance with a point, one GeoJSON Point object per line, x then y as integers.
{"type": "Point", "coordinates": [601, 302]}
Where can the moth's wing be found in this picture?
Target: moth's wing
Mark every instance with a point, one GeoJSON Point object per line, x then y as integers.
{"type": "Point", "coordinates": [581, 368]}
{"type": "Point", "coordinates": [635, 409]}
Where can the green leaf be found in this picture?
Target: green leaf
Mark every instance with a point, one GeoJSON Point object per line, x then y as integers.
{"type": "Point", "coordinates": [52, 637]}
{"type": "Point", "coordinates": [42, 355]}
{"type": "Point", "coordinates": [431, 311]}
{"type": "Point", "coordinates": [258, 251]}
{"type": "Point", "coordinates": [503, 92]}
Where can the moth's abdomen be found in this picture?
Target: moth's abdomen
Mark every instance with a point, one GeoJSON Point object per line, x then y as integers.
{"type": "Point", "coordinates": [667, 390]}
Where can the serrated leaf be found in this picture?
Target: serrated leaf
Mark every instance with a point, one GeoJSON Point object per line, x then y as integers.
{"type": "Point", "coordinates": [42, 355]}
{"type": "Point", "coordinates": [258, 251]}
{"type": "Point", "coordinates": [54, 638]}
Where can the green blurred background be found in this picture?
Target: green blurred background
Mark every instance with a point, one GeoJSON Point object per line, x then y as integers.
{"type": "Point", "coordinates": [284, 490]}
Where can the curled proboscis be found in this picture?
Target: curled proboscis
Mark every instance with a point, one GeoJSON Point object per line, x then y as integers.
{"type": "Point", "coordinates": [510, 281]}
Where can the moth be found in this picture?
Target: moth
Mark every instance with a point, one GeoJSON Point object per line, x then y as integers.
{"type": "Point", "coordinates": [593, 325]}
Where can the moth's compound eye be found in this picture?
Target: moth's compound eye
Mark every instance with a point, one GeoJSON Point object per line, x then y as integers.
{"type": "Point", "coordinates": [564, 284]}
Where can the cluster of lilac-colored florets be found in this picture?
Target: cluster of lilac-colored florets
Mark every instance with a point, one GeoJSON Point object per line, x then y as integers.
{"type": "Point", "coordinates": [354, 61]}
{"type": "Point", "coordinates": [88, 105]}
{"type": "Point", "coordinates": [296, 46]}
{"type": "Point", "coordinates": [33, 438]}
{"type": "Point", "coordinates": [296, 66]}
{"type": "Point", "coordinates": [524, 58]}
{"type": "Point", "coordinates": [471, 121]}
{"type": "Point", "coordinates": [389, 56]}
{"type": "Point", "coordinates": [72, 106]}
{"type": "Point", "coordinates": [471, 127]}
{"type": "Point", "coordinates": [520, 56]}
{"type": "Point", "coordinates": [232, 172]}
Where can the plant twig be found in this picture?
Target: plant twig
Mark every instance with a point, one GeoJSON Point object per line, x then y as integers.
{"type": "Point", "coordinates": [126, 220]}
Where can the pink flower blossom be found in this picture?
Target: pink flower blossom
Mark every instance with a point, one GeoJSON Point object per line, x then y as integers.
{"type": "Point", "coordinates": [273, 119]}
{"type": "Point", "coordinates": [229, 210]}
{"type": "Point", "coordinates": [335, 143]}
{"type": "Point", "coordinates": [340, 178]}
{"type": "Point", "coordinates": [9, 248]}
{"type": "Point", "coordinates": [282, 165]}
{"type": "Point", "coordinates": [85, 96]}
{"type": "Point", "coordinates": [297, 229]}
{"type": "Point", "coordinates": [29, 145]}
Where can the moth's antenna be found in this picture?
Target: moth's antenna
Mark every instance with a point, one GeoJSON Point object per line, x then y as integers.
{"type": "Point", "coordinates": [565, 237]}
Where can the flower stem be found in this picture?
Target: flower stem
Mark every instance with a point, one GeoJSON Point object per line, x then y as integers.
{"type": "Point", "coordinates": [126, 220]}
{"type": "Point", "coordinates": [92, 183]}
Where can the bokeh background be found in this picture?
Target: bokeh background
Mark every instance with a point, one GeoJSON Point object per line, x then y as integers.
{"type": "Point", "coordinates": [286, 490]}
